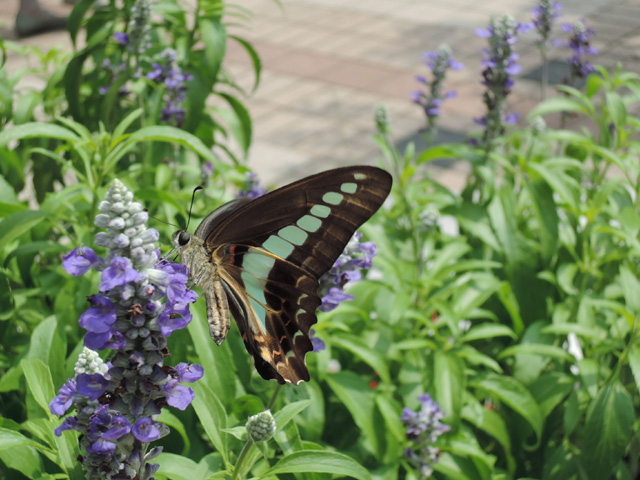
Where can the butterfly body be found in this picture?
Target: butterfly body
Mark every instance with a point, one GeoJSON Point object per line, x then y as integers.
{"type": "Point", "coordinates": [260, 260]}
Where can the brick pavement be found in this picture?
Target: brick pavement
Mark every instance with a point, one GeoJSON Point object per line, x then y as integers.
{"type": "Point", "coordinates": [328, 63]}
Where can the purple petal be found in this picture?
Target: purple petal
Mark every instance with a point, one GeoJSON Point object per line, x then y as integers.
{"type": "Point", "coordinates": [79, 260]}
{"type": "Point", "coordinates": [145, 430]}
{"type": "Point", "coordinates": [178, 396]}
{"type": "Point", "coordinates": [189, 373]}
{"type": "Point", "coordinates": [91, 386]}
{"type": "Point", "coordinates": [119, 273]}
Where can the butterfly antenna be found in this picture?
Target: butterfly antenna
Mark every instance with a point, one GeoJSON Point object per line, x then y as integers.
{"type": "Point", "coordinates": [193, 197]}
{"type": "Point", "coordinates": [161, 221]}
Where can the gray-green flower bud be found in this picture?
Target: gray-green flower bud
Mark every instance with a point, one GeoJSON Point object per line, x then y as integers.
{"type": "Point", "coordinates": [261, 427]}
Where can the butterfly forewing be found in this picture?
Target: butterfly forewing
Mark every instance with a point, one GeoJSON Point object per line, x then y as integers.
{"type": "Point", "coordinates": [270, 253]}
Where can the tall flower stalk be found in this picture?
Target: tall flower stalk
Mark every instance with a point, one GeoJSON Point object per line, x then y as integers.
{"type": "Point", "coordinates": [500, 65]}
{"type": "Point", "coordinates": [545, 14]}
{"type": "Point", "coordinates": [423, 428]}
{"type": "Point", "coordinates": [169, 73]}
{"type": "Point", "coordinates": [438, 61]}
{"type": "Point", "coordinates": [142, 299]}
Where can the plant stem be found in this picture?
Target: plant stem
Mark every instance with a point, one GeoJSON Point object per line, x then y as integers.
{"type": "Point", "coordinates": [241, 458]}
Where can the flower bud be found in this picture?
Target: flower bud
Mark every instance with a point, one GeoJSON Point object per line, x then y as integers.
{"type": "Point", "coordinates": [261, 427]}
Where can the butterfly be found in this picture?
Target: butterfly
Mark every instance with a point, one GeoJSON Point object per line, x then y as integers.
{"type": "Point", "coordinates": [260, 261]}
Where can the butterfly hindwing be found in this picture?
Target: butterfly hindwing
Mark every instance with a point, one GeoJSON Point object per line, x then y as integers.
{"type": "Point", "coordinates": [270, 252]}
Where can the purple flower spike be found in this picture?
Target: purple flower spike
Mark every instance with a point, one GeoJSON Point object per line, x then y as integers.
{"type": "Point", "coordinates": [79, 260]}
{"type": "Point", "coordinates": [500, 64]}
{"type": "Point", "coordinates": [119, 401]}
{"type": "Point", "coordinates": [118, 274]}
{"type": "Point", "coordinates": [438, 61]}
{"type": "Point", "coordinates": [423, 429]}
{"type": "Point", "coordinates": [145, 430]}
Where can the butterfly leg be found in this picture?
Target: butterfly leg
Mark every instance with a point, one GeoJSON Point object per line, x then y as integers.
{"type": "Point", "coordinates": [218, 316]}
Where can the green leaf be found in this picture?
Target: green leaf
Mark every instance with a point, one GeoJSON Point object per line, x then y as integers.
{"type": "Point", "coordinates": [11, 438]}
{"type": "Point", "coordinates": [488, 330]}
{"type": "Point", "coordinates": [220, 369]}
{"type": "Point", "coordinates": [177, 467]}
{"type": "Point", "coordinates": [289, 411]}
{"type": "Point", "coordinates": [630, 288]}
{"type": "Point", "coordinates": [634, 363]}
{"type": "Point", "coordinates": [492, 424]}
{"type": "Point", "coordinates": [213, 417]}
{"type": "Point", "coordinates": [558, 104]}
{"type": "Point", "coordinates": [516, 396]}
{"type": "Point", "coordinates": [550, 389]}
{"type": "Point", "coordinates": [39, 382]}
{"type": "Point", "coordinates": [318, 461]}
{"type": "Point", "coordinates": [37, 130]}
{"type": "Point", "coordinates": [536, 349]}
{"type": "Point", "coordinates": [449, 384]}
{"type": "Point", "coordinates": [18, 223]}
{"type": "Point", "coordinates": [255, 59]}
{"type": "Point", "coordinates": [360, 348]}
{"type": "Point", "coordinates": [607, 431]}
{"type": "Point", "coordinates": [240, 124]}
{"type": "Point", "coordinates": [547, 215]}
{"type": "Point", "coordinates": [566, 276]}
{"type": "Point", "coordinates": [617, 110]}
{"type": "Point", "coordinates": [356, 395]}
{"type": "Point", "coordinates": [25, 459]}
{"type": "Point", "coordinates": [214, 37]}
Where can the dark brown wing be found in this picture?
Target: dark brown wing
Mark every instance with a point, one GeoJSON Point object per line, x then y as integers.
{"type": "Point", "coordinates": [271, 252]}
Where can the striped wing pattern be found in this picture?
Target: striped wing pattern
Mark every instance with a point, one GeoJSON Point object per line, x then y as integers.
{"type": "Point", "coordinates": [269, 254]}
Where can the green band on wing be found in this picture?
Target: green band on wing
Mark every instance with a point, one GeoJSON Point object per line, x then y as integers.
{"type": "Point", "coordinates": [321, 211]}
{"type": "Point", "coordinates": [309, 223]}
{"type": "Point", "coordinates": [278, 246]}
{"type": "Point", "coordinates": [349, 187]}
{"type": "Point", "coordinates": [332, 198]}
{"type": "Point", "coordinates": [292, 234]}
{"type": "Point", "coordinates": [255, 290]}
{"type": "Point", "coordinates": [359, 176]}
{"type": "Point", "coordinates": [258, 264]}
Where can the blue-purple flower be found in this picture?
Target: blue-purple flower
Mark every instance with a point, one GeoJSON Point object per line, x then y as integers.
{"type": "Point", "coordinates": [141, 301]}
{"type": "Point", "coordinates": [356, 256]}
{"type": "Point", "coordinates": [500, 65]}
{"type": "Point", "coordinates": [252, 187]}
{"type": "Point", "coordinates": [579, 44]}
{"type": "Point", "coordinates": [423, 428]}
{"type": "Point", "coordinates": [438, 61]}
{"type": "Point", "coordinates": [545, 13]}
{"type": "Point", "coordinates": [170, 74]}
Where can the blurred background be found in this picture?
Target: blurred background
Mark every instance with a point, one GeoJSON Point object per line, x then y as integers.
{"type": "Point", "coordinates": [328, 63]}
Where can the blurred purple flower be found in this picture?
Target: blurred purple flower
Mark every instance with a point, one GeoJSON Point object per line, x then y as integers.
{"type": "Point", "coordinates": [252, 187]}
{"type": "Point", "coordinates": [438, 61]}
{"type": "Point", "coordinates": [545, 13]}
{"type": "Point", "coordinates": [170, 74]}
{"type": "Point", "coordinates": [500, 64]}
{"type": "Point", "coordinates": [579, 44]}
{"type": "Point", "coordinates": [423, 428]}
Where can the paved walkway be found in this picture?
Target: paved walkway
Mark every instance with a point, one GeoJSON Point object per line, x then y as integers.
{"type": "Point", "coordinates": [328, 63]}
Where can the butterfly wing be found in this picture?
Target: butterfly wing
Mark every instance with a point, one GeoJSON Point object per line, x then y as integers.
{"type": "Point", "coordinates": [271, 252]}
